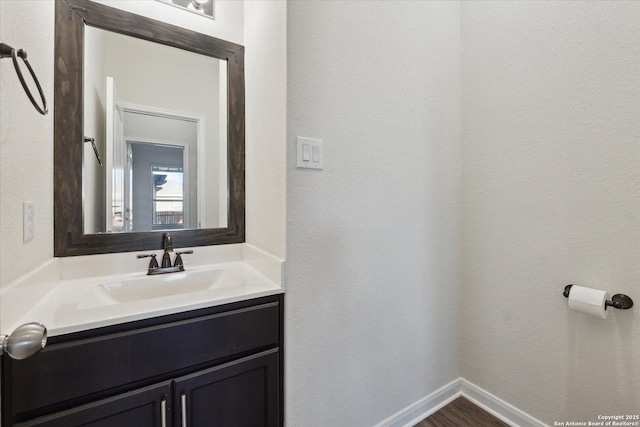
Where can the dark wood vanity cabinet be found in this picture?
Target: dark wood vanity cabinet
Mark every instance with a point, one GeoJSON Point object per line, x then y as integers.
{"type": "Point", "coordinates": [220, 366]}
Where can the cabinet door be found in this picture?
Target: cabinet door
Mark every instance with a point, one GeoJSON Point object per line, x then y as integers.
{"type": "Point", "coordinates": [146, 407]}
{"type": "Point", "coordinates": [242, 393]}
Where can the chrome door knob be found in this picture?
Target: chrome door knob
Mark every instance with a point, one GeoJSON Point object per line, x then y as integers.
{"type": "Point", "coordinates": [25, 341]}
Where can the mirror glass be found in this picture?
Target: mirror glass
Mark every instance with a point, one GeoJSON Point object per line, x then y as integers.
{"type": "Point", "coordinates": [155, 132]}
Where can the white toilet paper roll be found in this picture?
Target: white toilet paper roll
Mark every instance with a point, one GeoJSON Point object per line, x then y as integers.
{"type": "Point", "coordinates": [588, 300]}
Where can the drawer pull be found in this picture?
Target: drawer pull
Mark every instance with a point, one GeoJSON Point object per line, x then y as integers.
{"type": "Point", "coordinates": [183, 404]}
{"type": "Point", "coordinates": [163, 413]}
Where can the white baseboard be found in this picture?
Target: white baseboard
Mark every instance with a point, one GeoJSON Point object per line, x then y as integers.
{"type": "Point", "coordinates": [426, 406]}
{"type": "Point", "coordinates": [498, 407]}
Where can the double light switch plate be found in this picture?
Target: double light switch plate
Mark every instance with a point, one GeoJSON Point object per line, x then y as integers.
{"type": "Point", "coordinates": [310, 153]}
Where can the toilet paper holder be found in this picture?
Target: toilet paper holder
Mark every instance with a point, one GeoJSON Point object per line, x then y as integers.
{"type": "Point", "coordinates": [619, 301]}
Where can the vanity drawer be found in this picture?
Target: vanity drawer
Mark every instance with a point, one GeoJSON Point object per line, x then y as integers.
{"type": "Point", "coordinates": [76, 369]}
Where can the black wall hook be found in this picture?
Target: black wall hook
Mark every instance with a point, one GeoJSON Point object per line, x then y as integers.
{"type": "Point", "coordinates": [619, 301]}
{"type": "Point", "coordinates": [95, 149]}
{"type": "Point", "coordinates": [7, 51]}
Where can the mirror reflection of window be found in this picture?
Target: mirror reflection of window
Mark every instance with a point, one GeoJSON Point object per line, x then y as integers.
{"type": "Point", "coordinates": [168, 198]}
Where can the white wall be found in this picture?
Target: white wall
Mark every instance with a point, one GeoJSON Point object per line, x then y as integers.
{"type": "Point", "coordinates": [551, 125]}
{"type": "Point", "coordinates": [26, 139]}
{"type": "Point", "coordinates": [373, 240]}
{"type": "Point", "coordinates": [265, 38]}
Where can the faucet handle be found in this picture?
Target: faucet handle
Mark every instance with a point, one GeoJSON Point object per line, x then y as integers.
{"type": "Point", "coordinates": [178, 262]}
{"type": "Point", "coordinates": [153, 264]}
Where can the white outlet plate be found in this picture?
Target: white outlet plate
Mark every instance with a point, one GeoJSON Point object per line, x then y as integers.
{"type": "Point", "coordinates": [310, 153]}
{"type": "Point", "coordinates": [28, 221]}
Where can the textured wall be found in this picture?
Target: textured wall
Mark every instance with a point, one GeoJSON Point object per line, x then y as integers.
{"type": "Point", "coordinates": [373, 240]}
{"type": "Point", "coordinates": [551, 195]}
{"type": "Point", "coordinates": [265, 35]}
{"type": "Point", "coordinates": [26, 139]}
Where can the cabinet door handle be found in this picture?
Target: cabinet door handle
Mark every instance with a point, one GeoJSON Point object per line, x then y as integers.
{"type": "Point", "coordinates": [183, 404]}
{"type": "Point", "coordinates": [163, 413]}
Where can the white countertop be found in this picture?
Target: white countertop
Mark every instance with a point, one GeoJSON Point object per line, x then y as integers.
{"type": "Point", "coordinates": [68, 294]}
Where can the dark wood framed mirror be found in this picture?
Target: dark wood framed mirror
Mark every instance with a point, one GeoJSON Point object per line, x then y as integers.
{"type": "Point", "coordinates": [72, 235]}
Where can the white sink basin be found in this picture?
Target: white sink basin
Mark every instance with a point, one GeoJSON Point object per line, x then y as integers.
{"type": "Point", "coordinates": [161, 285]}
{"type": "Point", "coordinates": [146, 288]}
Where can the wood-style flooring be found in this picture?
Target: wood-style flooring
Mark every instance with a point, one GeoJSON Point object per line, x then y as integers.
{"type": "Point", "coordinates": [461, 413]}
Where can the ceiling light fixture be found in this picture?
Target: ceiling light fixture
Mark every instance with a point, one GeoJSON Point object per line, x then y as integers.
{"type": "Point", "coordinates": [197, 5]}
{"type": "Point", "coordinates": [201, 7]}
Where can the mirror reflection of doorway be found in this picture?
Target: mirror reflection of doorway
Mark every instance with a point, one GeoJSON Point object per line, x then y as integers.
{"type": "Point", "coordinates": [162, 143]}
{"type": "Point", "coordinates": [159, 181]}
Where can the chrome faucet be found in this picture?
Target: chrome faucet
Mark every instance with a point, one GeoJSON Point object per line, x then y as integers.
{"type": "Point", "coordinates": [165, 267]}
